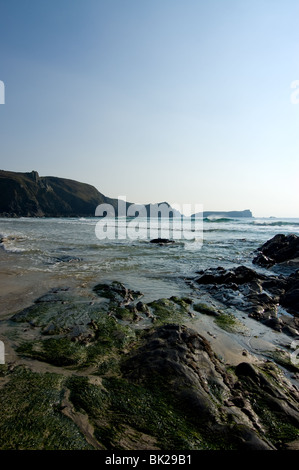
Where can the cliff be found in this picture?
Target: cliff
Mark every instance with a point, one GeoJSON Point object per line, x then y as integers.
{"type": "Point", "coordinates": [29, 195]}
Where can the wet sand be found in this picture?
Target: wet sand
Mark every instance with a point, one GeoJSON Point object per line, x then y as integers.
{"type": "Point", "coordinates": [19, 286]}
{"type": "Point", "coordinates": [225, 345]}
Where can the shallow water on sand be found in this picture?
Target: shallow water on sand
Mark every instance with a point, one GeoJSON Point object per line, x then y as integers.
{"type": "Point", "coordinates": [68, 250]}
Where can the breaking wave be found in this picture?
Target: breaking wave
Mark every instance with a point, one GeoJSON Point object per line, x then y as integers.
{"type": "Point", "coordinates": [279, 223]}
{"type": "Point", "coordinates": [217, 220]}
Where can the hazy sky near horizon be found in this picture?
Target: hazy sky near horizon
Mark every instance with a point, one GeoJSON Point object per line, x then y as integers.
{"type": "Point", "coordinates": [185, 101]}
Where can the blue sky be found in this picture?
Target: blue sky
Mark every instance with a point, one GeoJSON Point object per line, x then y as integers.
{"type": "Point", "coordinates": [187, 101]}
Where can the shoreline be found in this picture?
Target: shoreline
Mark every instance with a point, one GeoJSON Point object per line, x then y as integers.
{"type": "Point", "coordinates": [21, 287]}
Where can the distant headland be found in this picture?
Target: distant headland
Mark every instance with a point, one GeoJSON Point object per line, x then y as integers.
{"type": "Point", "coordinates": [233, 214]}
{"type": "Point", "coordinates": [31, 195]}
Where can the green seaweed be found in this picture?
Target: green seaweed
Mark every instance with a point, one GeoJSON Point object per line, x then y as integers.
{"type": "Point", "coordinates": [109, 366]}
{"type": "Point", "coordinates": [283, 358]}
{"type": "Point", "coordinates": [62, 316]}
{"type": "Point", "coordinates": [184, 302]}
{"type": "Point", "coordinates": [57, 351]}
{"type": "Point", "coordinates": [124, 314]}
{"type": "Point", "coordinates": [279, 431]}
{"type": "Point", "coordinates": [120, 403]}
{"type": "Point", "coordinates": [229, 322]}
{"type": "Point", "coordinates": [31, 417]}
{"type": "Point", "coordinates": [165, 310]}
{"type": "Point", "coordinates": [205, 308]}
{"type": "Point", "coordinates": [280, 428]}
{"type": "Point", "coordinates": [89, 398]}
{"type": "Point", "coordinates": [115, 292]}
{"type": "Point", "coordinates": [110, 338]}
{"type": "Point", "coordinates": [118, 406]}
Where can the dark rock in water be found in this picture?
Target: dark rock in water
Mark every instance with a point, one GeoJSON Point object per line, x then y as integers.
{"type": "Point", "coordinates": [142, 307]}
{"type": "Point", "coordinates": [239, 408]}
{"type": "Point", "coordinates": [257, 294]}
{"type": "Point", "coordinates": [239, 275]}
{"type": "Point", "coordinates": [162, 241]}
{"type": "Point", "coordinates": [117, 293]}
{"type": "Point", "coordinates": [281, 248]}
{"type": "Point", "coordinates": [67, 259]}
{"type": "Point", "coordinates": [290, 299]}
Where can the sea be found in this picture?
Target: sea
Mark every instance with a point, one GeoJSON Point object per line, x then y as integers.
{"type": "Point", "coordinates": [74, 249]}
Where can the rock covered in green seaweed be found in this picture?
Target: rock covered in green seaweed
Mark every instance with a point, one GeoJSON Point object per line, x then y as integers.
{"type": "Point", "coordinates": [158, 388]}
{"type": "Point", "coordinates": [232, 408]}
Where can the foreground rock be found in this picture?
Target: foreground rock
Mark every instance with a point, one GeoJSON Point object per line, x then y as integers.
{"type": "Point", "coordinates": [240, 410]}
{"type": "Point", "coordinates": [280, 249]}
{"type": "Point", "coordinates": [67, 327]}
{"type": "Point", "coordinates": [169, 391]}
{"type": "Point", "coordinates": [87, 373]}
{"type": "Point", "coordinates": [64, 311]}
{"type": "Point", "coordinates": [260, 296]}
